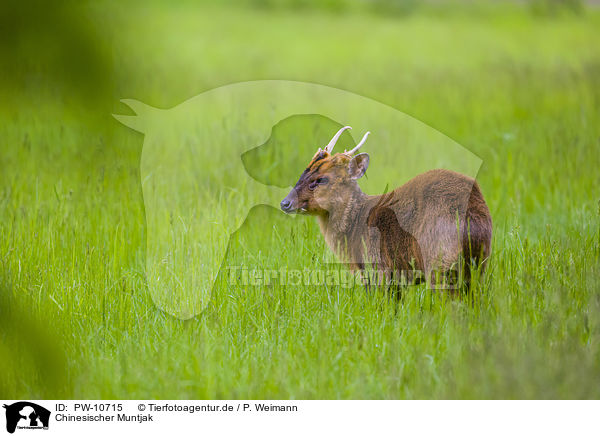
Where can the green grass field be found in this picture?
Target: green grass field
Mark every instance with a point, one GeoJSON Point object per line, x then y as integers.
{"type": "Point", "coordinates": [518, 87]}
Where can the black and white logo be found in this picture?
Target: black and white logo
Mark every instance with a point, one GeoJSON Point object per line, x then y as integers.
{"type": "Point", "coordinates": [26, 415]}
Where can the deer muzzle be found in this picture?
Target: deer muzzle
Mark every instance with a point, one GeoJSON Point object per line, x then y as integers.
{"type": "Point", "coordinates": [290, 203]}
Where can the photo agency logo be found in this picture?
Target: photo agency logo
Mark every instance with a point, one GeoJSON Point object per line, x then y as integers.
{"type": "Point", "coordinates": [225, 174]}
{"type": "Point", "coordinates": [24, 415]}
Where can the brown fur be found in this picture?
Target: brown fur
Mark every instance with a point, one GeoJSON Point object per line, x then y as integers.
{"type": "Point", "coordinates": [437, 223]}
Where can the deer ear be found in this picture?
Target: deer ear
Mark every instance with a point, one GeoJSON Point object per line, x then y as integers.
{"type": "Point", "coordinates": [357, 167]}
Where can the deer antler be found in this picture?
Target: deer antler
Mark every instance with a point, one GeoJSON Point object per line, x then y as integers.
{"type": "Point", "coordinates": [331, 144]}
{"type": "Point", "coordinates": [360, 144]}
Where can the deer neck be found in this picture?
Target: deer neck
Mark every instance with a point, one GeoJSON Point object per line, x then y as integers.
{"type": "Point", "coordinates": [345, 223]}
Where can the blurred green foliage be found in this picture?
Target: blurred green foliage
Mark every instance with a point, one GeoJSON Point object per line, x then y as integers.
{"type": "Point", "coordinates": [54, 48]}
{"type": "Point", "coordinates": [31, 354]}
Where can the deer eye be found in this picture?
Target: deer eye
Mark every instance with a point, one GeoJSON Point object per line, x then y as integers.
{"type": "Point", "coordinates": [316, 182]}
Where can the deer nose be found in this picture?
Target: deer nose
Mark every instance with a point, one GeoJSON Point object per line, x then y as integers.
{"type": "Point", "coordinates": [286, 205]}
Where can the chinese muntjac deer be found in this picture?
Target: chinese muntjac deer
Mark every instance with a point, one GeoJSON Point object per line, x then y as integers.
{"type": "Point", "coordinates": [437, 224]}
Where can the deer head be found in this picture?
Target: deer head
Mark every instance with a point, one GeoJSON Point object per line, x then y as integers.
{"type": "Point", "coordinates": [329, 180]}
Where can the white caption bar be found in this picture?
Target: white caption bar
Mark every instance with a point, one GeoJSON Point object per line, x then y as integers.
{"type": "Point", "coordinates": [299, 417]}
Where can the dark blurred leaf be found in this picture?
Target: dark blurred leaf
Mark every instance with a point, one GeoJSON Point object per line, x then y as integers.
{"type": "Point", "coordinates": [27, 340]}
{"type": "Point", "coordinates": [51, 46]}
